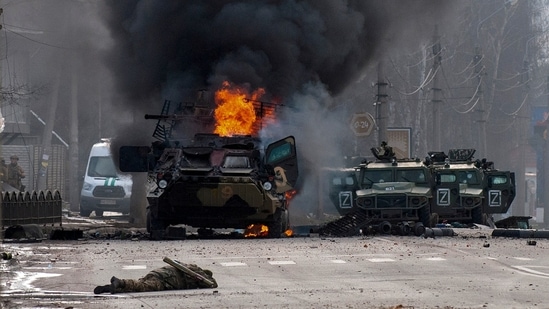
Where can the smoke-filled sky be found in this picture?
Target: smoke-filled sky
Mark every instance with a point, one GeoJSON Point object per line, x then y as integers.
{"type": "Point", "coordinates": [170, 47]}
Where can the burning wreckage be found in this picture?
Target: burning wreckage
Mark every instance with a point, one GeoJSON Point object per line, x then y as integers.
{"type": "Point", "coordinates": [215, 181]}
{"type": "Point", "coordinates": [405, 196]}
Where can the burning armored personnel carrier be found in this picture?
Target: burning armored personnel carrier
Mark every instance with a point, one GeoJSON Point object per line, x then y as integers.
{"type": "Point", "coordinates": [215, 181]}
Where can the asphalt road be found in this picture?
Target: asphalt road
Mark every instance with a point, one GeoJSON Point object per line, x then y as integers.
{"type": "Point", "coordinates": [470, 270]}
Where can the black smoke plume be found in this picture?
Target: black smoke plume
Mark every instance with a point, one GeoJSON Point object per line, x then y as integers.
{"type": "Point", "coordinates": [172, 48]}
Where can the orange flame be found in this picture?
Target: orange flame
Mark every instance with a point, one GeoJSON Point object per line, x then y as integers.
{"type": "Point", "coordinates": [235, 114]}
{"type": "Point", "coordinates": [256, 230]}
{"type": "Point", "coordinates": [290, 194]}
{"type": "Point", "coordinates": [289, 233]}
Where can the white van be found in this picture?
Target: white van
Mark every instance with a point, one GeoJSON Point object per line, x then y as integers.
{"type": "Point", "coordinates": [104, 189]}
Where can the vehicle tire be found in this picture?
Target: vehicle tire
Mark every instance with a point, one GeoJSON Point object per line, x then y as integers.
{"type": "Point", "coordinates": [99, 213]}
{"type": "Point", "coordinates": [404, 228]}
{"type": "Point", "coordinates": [85, 212]}
{"type": "Point", "coordinates": [286, 221]}
{"type": "Point", "coordinates": [277, 227]}
{"type": "Point", "coordinates": [156, 227]}
{"type": "Point", "coordinates": [385, 228]}
{"type": "Point", "coordinates": [419, 229]}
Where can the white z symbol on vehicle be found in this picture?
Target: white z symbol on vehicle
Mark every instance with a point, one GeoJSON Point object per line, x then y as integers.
{"type": "Point", "coordinates": [495, 198]}
{"type": "Point", "coordinates": [345, 199]}
{"type": "Point", "coordinates": [443, 197]}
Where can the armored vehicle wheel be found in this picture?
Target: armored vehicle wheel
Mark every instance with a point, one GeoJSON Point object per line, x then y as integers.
{"type": "Point", "coordinates": [155, 227]}
{"type": "Point", "coordinates": [280, 224]}
{"type": "Point", "coordinates": [99, 213]}
{"type": "Point", "coordinates": [85, 212]}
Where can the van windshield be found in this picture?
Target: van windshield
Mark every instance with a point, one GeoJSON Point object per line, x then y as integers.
{"type": "Point", "coordinates": [102, 167]}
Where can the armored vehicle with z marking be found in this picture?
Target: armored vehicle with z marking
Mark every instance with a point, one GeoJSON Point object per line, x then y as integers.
{"type": "Point", "coordinates": [401, 196]}
{"type": "Point", "coordinates": [467, 190]}
{"type": "Point", "coordinates": [388, 195]}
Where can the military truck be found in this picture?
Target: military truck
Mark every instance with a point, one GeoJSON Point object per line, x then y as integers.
{"type": "Point", "coordinates": [467, 190]}
{"type": "Point", "coordinates": [216, 182]}
{"type": "Point", "coordinates": [389, 195]}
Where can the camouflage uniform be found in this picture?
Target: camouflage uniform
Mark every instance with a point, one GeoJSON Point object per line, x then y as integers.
{"type": "Point", "coordinates": [164, 278]}
{"type": "Point", "coordinates": [15, 173]}
{"type": "Point", "coordinates": [3, 171]}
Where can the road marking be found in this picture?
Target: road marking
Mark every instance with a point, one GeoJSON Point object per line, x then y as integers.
{"type": "Point", "coordinates": [231, 264]}
{"type": "Point", "coordinates": [45, 267]}
{"type": "Point", "coordinates": [132, 267]}
{"type": "Point", "coordinates": [522, 258]}
{"type": "Point", "coordinates": [338, 261]}
{"type": "Point", "coordinates": [281, 262]}
{"type": "Point", "coordinates": [381, 260]}
{"type": "Point", "coordinates": [436, 259]}
{"type": "Point", "coordinates": [528, 269]}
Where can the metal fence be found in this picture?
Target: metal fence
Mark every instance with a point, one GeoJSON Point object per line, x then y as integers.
{"type": "Point", "coordinates": [43, 207]}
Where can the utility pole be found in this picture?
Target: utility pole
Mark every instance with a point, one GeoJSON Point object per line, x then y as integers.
{"type": "Point", "coordinates": [41, 181]}
{"type": "Point", "coordinates": [479, 71]}
{"type": "Point", "coordinates": [1, 129]}
{"type": "Point", "coordinates": [74, 189]}
{"type": "Point", "coordinates": [523, 209]}
{"type": "Point", "coordinates": [381, 104]}
{"type": "Point", "coordinates": [437, 91]}
{"type": "Point", "coordinates": [545, 169]}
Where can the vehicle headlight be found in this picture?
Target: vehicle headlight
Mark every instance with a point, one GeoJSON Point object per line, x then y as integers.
{"type": "Point", "coordinates": [162, 184]}
{"type": "Point", "coordinates": [267, 185]}
{"type": "Point", "coordinates": [87, 186]}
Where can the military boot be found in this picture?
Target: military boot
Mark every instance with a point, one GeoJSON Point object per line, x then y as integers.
{"type": "Point", "coordinates": [116, 284]}
{"type": "Point", "coordinates": [102, 289]}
